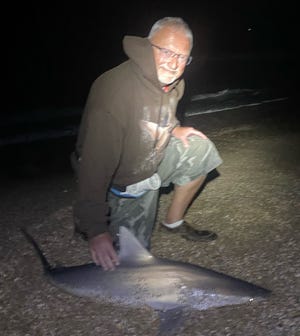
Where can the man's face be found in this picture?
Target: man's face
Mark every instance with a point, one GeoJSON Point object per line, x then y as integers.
{"type": "Point", "coordinates": [171, 51]}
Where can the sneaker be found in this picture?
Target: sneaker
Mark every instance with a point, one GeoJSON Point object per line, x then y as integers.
{"type": "Point", "coordinates": [191, 233]}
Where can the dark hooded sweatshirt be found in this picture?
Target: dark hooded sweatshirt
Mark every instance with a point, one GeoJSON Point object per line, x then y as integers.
{"type": "Point", "coordinates": [126, 125]}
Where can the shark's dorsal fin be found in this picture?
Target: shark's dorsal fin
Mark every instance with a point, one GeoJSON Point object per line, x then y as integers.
{"type": "Point", "coordinates": [131, 250]}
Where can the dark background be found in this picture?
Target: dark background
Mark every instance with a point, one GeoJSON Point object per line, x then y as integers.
{"type": "Point", "coordinates": [57, 49]}
{"type": "Point", "coordinates": [60, 48]}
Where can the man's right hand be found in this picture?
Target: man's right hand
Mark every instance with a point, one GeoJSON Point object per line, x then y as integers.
{"type": "Point", "coordinates": [103, 252]}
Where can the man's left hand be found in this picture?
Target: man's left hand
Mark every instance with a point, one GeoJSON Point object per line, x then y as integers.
{"type": "Point", "coordinates": [182, 133]}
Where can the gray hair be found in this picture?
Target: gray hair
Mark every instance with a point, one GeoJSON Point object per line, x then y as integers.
{"type": "Point", "coordinates": [175, 22]}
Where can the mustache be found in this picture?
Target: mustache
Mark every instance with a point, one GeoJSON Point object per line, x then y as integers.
{"type": "Point", "coordinates": [165, 67]}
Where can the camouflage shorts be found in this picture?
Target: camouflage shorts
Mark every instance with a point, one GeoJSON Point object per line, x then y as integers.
{"type": "Point", "coordinates": [179, 166]}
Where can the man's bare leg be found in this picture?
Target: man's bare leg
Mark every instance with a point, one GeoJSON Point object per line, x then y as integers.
{"type": "Point", "coordinates": [182, 197]}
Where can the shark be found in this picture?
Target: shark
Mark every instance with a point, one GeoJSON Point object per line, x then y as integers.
{"type": "Point", "coordinates": [142, 279]}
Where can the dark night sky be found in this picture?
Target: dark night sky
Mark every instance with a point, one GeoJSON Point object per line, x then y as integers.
{"type": "Point", "coordinates": [61, 48]}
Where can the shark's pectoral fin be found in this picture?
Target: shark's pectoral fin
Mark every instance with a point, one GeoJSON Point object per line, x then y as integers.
{"type": "Point", "coordinates": [170, 321]}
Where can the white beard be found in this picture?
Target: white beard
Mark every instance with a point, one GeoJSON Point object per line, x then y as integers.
{"type": "Point", "coordinates": [167, 77]}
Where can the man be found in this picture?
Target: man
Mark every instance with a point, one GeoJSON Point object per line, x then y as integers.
{"type": "Point", "coordinates": [130, 143]}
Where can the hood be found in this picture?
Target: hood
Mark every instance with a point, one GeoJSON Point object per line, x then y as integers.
{"type": "Point", "coordinates": [139, 51]}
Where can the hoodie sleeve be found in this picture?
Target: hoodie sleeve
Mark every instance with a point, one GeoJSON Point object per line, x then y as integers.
{"type": "Point", "coordinates": [100, 155]}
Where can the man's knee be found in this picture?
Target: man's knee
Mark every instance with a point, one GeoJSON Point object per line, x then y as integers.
{"type": "Point", "coordinates": [198, 146]}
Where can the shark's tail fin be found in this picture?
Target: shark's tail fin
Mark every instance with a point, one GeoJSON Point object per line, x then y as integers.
{"type": "Point", "coordinates": [44, 260]}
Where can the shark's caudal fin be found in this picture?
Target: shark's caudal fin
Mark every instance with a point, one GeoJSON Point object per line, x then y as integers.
{"type": "Point", "coordinates": [131, 250]}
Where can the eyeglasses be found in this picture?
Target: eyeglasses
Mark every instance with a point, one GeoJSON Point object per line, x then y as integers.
{"type": "Point", "coordinates": [168, 54]}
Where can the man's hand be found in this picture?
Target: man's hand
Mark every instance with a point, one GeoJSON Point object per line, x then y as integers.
{"type": "Point", "coordinates": [182, 133]}
{"type": "Point", "coordinates": [103, 252]}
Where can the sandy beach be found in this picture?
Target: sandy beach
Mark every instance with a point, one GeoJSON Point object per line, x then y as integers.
{"type": "Point", "coordinates": [253, 206]}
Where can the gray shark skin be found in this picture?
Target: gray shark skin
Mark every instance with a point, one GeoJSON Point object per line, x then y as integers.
{"type": "Point", "coordinates": [142, 279]}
